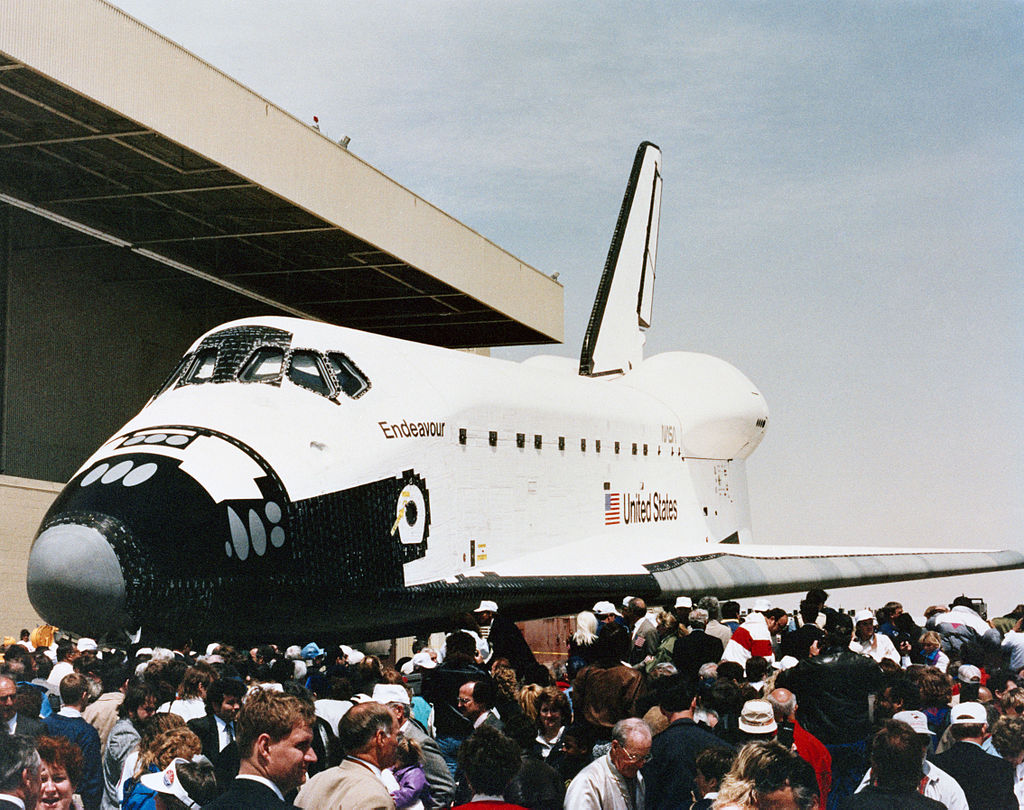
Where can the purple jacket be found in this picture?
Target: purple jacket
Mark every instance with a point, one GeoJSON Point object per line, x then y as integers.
{"type": "Point", "coordinates": [412, 785]}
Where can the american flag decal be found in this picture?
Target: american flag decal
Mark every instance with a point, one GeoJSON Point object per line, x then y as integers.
{"type": "Point", "coordinates": [612, 511]}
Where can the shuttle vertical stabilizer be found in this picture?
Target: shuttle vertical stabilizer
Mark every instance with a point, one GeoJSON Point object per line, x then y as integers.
{"type": "Point", "coordinates": [614, 341]}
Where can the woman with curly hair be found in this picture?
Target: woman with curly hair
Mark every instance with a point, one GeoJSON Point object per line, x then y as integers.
{"type": "Point", "coordinates": [62, 770]}
{"type": "Point", "coordinates": [159, 753]}
{"type": "Point", "coordinates": [765, 774]}
{"type": "Point", "coordinates": [553, 716]}
{"type": "Point", "coordinates": [936, 692]}
{"type": "Point", "coordinates": [490, 761]}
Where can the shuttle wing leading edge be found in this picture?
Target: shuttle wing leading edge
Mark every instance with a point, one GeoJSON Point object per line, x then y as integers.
{"type": "Point", "coordinates": [722, 570]}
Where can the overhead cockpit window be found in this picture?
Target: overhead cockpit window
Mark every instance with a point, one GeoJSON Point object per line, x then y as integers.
{"type": "Point", "coordinates": [349, 378]}
{"type": "Point", "coordinates": [305, 371]}
{"type": "Point", "coordinates": [264, 365]}
{"type": "Point", "coordinates": [202, 367]}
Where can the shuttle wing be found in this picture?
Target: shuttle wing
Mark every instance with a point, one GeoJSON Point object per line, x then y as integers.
{"type": "Point", "coordinates": [727, 571]}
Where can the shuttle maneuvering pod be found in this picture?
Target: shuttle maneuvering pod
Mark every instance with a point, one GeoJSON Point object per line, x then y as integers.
{"type": "Point", "coordinates": [294, 478]}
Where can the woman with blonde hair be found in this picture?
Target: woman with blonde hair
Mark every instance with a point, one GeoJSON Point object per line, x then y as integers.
{"type": "Point", "coordinates": [931, 651]}
{"type": "Point", "coordinates": [581, 643]}
{"type": "Point", "coordinates": [527, 700]}
{"type": "Point", "coordinates": [766, 774]}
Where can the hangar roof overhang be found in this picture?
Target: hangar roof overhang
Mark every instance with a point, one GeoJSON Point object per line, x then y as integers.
{"type": "Point", "coordinates": [109, 128]}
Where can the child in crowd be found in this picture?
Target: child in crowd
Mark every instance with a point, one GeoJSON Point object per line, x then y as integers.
{"type": "Point", "coordinates": [413, 791]}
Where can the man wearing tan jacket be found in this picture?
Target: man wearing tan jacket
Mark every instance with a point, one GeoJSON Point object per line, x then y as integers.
{"type": "Point", "coordinates": [368, 734]}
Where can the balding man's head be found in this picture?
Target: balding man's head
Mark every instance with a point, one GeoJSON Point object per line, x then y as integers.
{"type": "Point", "coordinates": [783, 703]}
{"type": "Point", "coordinates": [8, 698]}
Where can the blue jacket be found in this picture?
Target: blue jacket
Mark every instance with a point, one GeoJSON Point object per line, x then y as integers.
{"type": "Point", "coordinates": [85, 737]}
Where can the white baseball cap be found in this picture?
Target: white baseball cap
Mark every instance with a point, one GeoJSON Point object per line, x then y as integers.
{"type": "Point", "coordinates": [391, 693]}
{"type": "Point", "coordinates": [684, 601]}
{"type": "Point", "coordinates": [605, 609]}
{"type": "Point", "coordinates": [916, 720]}
{"type": "Point", "coordinates": [486, 604]}
{"type": "Point", "coordinates": [970, 712]}
{"type": "Point", "coordinates": [863, 615]}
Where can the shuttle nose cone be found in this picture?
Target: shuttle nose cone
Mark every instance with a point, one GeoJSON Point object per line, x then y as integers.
{"type": "Point", "coordinates": [75, 580]}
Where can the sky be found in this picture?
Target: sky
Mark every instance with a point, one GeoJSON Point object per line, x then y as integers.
{"type": "Point", "coordinates": [842, 216]}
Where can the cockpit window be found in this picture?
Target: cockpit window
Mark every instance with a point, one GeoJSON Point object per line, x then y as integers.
{"type": "Point", "coordinates": [305, 371]}
{"type": "Point", "coordinates": [263, 366]}
{"type": "Point", "coordinates": [202, 367]}
{"type": "Point", "coordinates": [175, 375]}
{"type": "Point", "coordinates": [349, 378]}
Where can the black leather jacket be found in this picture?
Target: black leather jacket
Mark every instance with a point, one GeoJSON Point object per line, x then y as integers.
{"type": "Point", "coordinates": [832, 694]}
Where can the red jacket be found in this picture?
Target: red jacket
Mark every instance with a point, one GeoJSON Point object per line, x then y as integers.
{"type": "Point", "coordinates": [813, 751]}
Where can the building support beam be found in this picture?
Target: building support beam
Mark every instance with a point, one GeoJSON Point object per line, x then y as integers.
{"type": "Point", "coordinates": [6, 223]}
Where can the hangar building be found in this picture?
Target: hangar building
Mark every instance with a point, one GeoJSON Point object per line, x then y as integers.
{"type": "Point", "coordinates": [146, 197]}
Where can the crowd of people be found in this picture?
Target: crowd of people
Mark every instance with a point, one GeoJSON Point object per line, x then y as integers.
{"type": "Point", "coordinates": [688, 706]}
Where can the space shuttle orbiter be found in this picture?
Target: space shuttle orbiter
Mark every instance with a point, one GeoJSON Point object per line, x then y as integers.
{"type": "Point", "coordinates": [293, 478]}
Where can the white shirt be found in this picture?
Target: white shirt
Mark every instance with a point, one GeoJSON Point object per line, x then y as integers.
{"type": "Point", "coordinates": [483, 717]}
{"type": "Point", "coordinates": [1013, 642]}
{"type": "Point", "coordinates": [546, 745]}
{"type": "Point", "coordinates": [10, 797]}
{"type": "Point", "coordinates": [12, 723]}
{"type": "Point", "coordinates": [187, 708]}
{"type": "Point", "coordinates": [878, 647]}
{"type": "Point", "coordinates": [59, 671]}
{"type": "Point", "coordinates": [225, 733]}
{"type": "Point", "coordinates": [332, 711]}
{"type": "Point", "coordinates": [69, 711]}
{"type": "Point", "coordinates": [940, 786]}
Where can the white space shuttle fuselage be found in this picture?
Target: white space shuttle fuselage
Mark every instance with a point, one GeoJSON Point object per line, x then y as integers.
{"type": "Point", "coordinates": [516, 457]}
{"type": "Point", "coordinates": [293, 477]}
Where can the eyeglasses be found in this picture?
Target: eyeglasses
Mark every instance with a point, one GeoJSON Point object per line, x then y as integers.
{"type": "Point", "coordinates": [634, 758]}
{"type": "Point", "coordinates": [8, 698]}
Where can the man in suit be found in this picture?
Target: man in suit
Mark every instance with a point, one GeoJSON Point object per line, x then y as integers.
{"type": "Point", "coordinates": [216, 729]}
{"type": "Point", "coordinates": [476, 702]}
{"type": "Point", "coordinates": [368, 733]}
{"type": "Point", "coordinates": [274, 733]}
{"type": "Point", "coordinates": [139, 704]}
{"type": "Point", "coordinates": [14, 721]}
{"type": "Point", "coordinates": [68, 723]}
{"type": "Point", "coordinates": [697, 647]}
{"type": "Point", "coordinates": [396, 698]}
{"type": "Point", "coordinates": [670, 774]}
{"type": "Point", "coordinates": [987, 780]}
{"type": "Point", "coordinates": [20, 772]}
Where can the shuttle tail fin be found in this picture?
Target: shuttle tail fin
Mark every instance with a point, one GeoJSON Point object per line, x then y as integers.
{"type": "Point", "coordinates": [614, 340]}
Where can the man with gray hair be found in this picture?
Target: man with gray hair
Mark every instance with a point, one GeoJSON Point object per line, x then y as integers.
{"type": "Point", "coordinates": [614, 782]}
{"type": "Point", "coordinates": [368, 733]}
{"type": "Point", "coordinates": [644, 639]}
{"type": "Point", "coordinates": [396, 698]}
{"type": "Point", "coordinates": [20, 769]}
{"type": "Point", "coordinates": [715, 627]}
{"type": "Point", "coordinates": [696, 648]}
